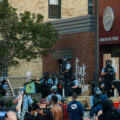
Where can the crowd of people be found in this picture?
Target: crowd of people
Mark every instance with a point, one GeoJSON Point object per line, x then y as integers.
{"type": "Point", "coordinates": [54, 106]}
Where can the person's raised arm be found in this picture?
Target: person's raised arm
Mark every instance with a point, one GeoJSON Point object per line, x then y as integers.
{"type": "Point", "coordinates": [18, 107]}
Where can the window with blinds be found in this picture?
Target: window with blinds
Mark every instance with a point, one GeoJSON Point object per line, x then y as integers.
{"type": "Point", "coordinates": [90, 6]}
{"type": "Point", "coordinates": [54, 9]}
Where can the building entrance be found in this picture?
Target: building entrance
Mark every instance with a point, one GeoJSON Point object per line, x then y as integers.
{"type": "Point", "coordinates": [112, 53]}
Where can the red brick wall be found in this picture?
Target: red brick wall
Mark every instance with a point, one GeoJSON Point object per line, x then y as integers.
{"type": "Point", "coordinates": [82, 46]}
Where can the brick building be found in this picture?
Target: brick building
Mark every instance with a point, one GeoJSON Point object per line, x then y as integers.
{"type": "Point", "coordinates": [80, 28]}
{"type": "Point", "coordinates": [110, 32]}
{"type": "Point", "coordinates": [76, 41]}
{"type": "Point", "coordinates": [51, 10]}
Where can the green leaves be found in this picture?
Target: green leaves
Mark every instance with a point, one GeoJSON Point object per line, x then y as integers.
{"type": "Point", "coordinates": [24, 37]}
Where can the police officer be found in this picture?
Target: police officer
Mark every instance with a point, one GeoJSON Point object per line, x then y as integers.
{"type": "Point", "coordinates": [74, 84]}
{"type": "Point", "coordinates": [53, 92]}
{"type": "Point", "coordinates": [96, 101]}
{"type": "Point", "coordinates": [66, 73]}
{"type": "Point", "coordinates": [108, 74]}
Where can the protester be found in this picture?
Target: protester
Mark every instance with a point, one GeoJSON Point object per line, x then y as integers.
{"type": "Point", "coordinates": [10, 115]}
{"type": "Point", "coordinates": [3, 106]}
{"type": "Point", "coordinates": [56, 109]}
{"type": "Point", "coordinates": [23, 102]}
{"type": "Point", "coordinates": [75, 108]}
{"type": "Point", "coordinates": [44, 112]}
{"type": "Point", "coordinates": [32, 113]}
{"type": "Point", "coordinates": [64, 105]}
{"type": "Point", "coordinates": [107, 111]}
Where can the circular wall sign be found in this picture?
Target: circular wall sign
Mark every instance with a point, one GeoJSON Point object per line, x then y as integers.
{"type": "Point", "coordinates": [108, 18]}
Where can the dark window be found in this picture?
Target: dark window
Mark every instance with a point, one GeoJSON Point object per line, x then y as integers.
{"type": "Point", "coordinates": [90, 6]}
{"type": "Point", "coordinates": [4, 73]}
{"type": "Point", "coordinates": [54, 8]}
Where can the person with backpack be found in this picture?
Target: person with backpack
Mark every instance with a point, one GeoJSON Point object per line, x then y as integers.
{"type": "Point", "coordinates": [65, 115]}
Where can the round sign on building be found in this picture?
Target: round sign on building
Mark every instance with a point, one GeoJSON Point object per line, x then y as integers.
{"type": "Point", "coordinates": [108, 18]}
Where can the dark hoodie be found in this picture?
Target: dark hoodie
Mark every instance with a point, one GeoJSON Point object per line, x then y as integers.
{"type": "Point", "coordinates": [108, 114]}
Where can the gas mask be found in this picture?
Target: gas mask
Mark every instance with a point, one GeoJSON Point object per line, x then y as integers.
{"type": "Point", "coordinates": [108, 63]}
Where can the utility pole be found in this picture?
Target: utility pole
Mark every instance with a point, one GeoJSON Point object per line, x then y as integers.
{"type": "Point", "coordinates": [96, 42]}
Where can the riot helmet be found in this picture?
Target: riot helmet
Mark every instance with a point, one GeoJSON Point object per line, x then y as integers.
{"type": "Point", "coordinates": [64, 58]}
{"type": "Point", "coordinates": [22, 91]}
{"type": "Point", "coordinates": [108, 63]}
{"type": "Point", "coordinates": [54, 89]}
{"type": "Point", "coordinates": [97, 91]}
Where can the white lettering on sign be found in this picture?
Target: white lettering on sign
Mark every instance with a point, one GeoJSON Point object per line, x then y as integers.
{"type": "Point", "coordinates": [109, 38]}
{"type": "Point", "coordinates": [80, 72]}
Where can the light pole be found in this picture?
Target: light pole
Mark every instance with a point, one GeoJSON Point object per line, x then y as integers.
{"type": "Point", "coordinates": [96, 42]}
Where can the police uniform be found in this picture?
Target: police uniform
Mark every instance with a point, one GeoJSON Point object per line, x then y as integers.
{"type": "Point", "coordinates": [108, 78]}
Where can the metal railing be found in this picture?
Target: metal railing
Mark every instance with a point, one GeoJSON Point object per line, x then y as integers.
{"type": "Point", "coordinates": [11, 87]}
{"type": "Point", "coordinates": [17, 82]}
